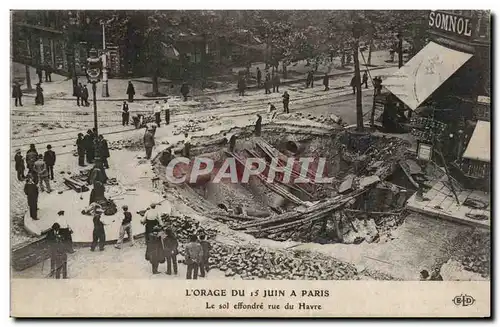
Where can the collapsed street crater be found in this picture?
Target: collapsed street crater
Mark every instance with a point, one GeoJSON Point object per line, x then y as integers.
{"type": "Point", "coordinates": [357, 205]}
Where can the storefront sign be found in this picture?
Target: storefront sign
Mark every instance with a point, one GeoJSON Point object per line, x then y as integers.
{"type": "Point", "coordinates": [451, 23]}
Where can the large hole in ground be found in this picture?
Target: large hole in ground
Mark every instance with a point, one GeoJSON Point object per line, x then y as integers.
{"type": "Point", "coordinates": [341, 211]}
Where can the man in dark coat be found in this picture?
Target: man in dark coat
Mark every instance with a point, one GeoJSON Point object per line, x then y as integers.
{"type": "Point", "coordinates": [242, 85]}
{"type": "Point", "coordinates": [310, 77]}
{"type": "Point", "coordinates": [66, 233]}
{"type": "Point", "coordinates": [58, 252]}
{"type": "Point", "coordinates": [75, 85]}
{"type": "Point", "coordinates": [39, 73]}
{"type": "Point", "coordinates": [125, 113]}
{"type": "Point", "coordinates": [39, 95]}
{"type": "Point", "coordinates": [185, 91]}
{"type": "Point", "coordinates": [48, 74]}
{"type": "Point", "coordinates": [80, 147]}
{"type": "Point", "coordinates": [170, 244]}
{"type": "Point", "coordinates": [155, 253]}
{"type": "Point", "coordinates": [98, 234]}
{"type": "Point", "coordinates": [204, 265]}
{"type": "Point", "coordinates": [149, 143]}
{"type": "Point", "coordinates": [259, 77]}
{"type": "Point", "coordinates": [17, 94]}
{"type": "Point", "coordinates": [50, 160]}
{"type": "Point", "coordinates": [19, 165]}
{"type": "Point", "coordinates": [88, 140]}
{"type": "Point", "coordinates": [286, 101]}
{"type": "Point", "coordinates": [85, 96]}
{"type": "Point", "coordinates": [353, 84]}
{"type": "Point", "coordinates": [166, 107]}
{"type": "Point", "coordinates": [78, 93]}
{"type": "Point", "coordinates": [365, 80]}
{"type": "Point", "coordinates": [258, 125]}
{"type": "Point", "coordinates": [103, 151]}
{"type": "Point", "coordinates": [130, 91]}
{"type": "Point", "coordinates": [267, 84]}
{"type": "Point", "coordinates": [31, 157]}
{"type": "Point", "coordinates": [31, 191]}
{"type": "Point", "coordinates": [276, 83]}
{"type": "Point", "coordinates": [326, 82]}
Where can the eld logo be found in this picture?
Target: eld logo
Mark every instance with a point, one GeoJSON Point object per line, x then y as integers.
{"type": "Point", "coordinates": [463, 300]}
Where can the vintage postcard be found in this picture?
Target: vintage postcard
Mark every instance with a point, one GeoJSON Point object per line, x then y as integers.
{"type": "Point", "coordinates": [250, 163]}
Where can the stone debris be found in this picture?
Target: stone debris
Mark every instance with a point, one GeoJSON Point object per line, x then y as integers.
{"type": "Point", "coordinates": [252, 262]}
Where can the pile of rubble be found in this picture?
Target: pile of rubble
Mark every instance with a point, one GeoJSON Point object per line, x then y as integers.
{"type": "Point", "coordinates": [193, 125]}
{"type": "Point", "coordinates": [254, 262]}
{"type": "Point", "coordinates": [250, 262]}
{"type": "Point", "coordinates": [185, 226]}
{"type": "Point", "coordinates": [474, 252]}
{"type": "Point", "coordinates": [328, 120]}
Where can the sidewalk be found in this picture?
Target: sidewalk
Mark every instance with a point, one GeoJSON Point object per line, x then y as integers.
{"type": "Point", "coordinates": [61, 88]}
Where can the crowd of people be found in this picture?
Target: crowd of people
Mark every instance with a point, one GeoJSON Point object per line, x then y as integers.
{"type": "Point", "coordinates": [89, 145]}
{"type": "Point", "coordinates": [40, 173]}
{"type": "Point", "coordinates": [162, 245]}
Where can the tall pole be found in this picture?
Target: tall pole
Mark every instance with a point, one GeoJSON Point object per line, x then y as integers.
{"type": "Point", "coordinates": [357, 78]}
{"type": "Point", "coordinates": [96, 140]}
{"type": "Point", "coordinates": [105, 90]}
{"type": "Point", "coordinates": [94, 89]}
{"type": "Point", "coordinates": [400, 50]}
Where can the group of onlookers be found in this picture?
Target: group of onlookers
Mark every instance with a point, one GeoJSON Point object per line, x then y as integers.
{"type": "Point", "coordinates": [90, 146]}
{"type": "Point", "coordinates": [40, 171]}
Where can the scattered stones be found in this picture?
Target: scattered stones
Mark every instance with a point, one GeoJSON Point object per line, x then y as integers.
{"type": "Point", "coordinates": [251, 262]}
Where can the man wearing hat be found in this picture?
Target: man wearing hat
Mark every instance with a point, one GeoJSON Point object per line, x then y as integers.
{"type": "Point", "coordinates": [157, 113]}
{"type": "Point", "coordinates": [166, 107]}
{"type": "Point", "coordinates": [99, 234]}
{"type": "Point", "coordinates": [58, 255]}
{"type": "Point", "coordinates": [150, 220]}
{"type": "Point", "coordinates": [66, 232]}
{"type": "Point", "coordinates": [149, 143]}
{"type": "Point", "coordinates": [19, 165]}
{"type": "Point", "coordinates": [125, 227]}
{"type": "Point", "coordinates": [40, 167]}
{"type": "Point", "coordinates": [155, 253]}
{"type": "Point", "coordinates": [50, 159]}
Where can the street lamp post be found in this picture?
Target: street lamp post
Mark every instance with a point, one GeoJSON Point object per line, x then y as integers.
{"type": "Point", "coordinates": [105, 89]}
{"type": "Point", "coordinates": [94, 67]}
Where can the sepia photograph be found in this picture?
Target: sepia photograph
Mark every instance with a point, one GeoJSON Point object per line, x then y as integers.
{"type": "Point", "coordinates": [239, 147]}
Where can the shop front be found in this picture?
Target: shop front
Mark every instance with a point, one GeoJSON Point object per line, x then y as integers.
{"type": "Point", "coordinates": [445, 82]}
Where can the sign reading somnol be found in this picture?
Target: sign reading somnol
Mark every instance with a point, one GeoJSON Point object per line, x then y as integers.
{"type": "Point", "coordinates": [451, 23]}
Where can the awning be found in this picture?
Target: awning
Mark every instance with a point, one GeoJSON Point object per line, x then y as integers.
{"type": "Point", "coordinates": [424, 73]}
{"type": "Point", "coordinates": [479, 144]}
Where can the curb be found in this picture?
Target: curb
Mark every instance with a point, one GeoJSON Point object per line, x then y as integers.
{"type": "Point", "coordinates": [254, 87]}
